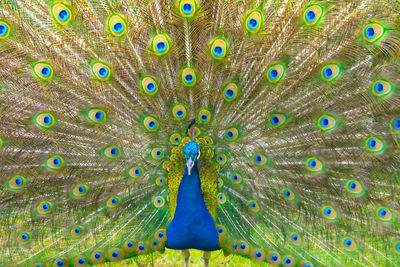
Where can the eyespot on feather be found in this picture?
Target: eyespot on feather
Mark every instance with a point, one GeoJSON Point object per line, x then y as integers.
{"type": "Point", "coordinates": [218, 48]}
{"type": "Point", "coordinates": [230, 91]}
{"type": "Point", "coordinates": [327, 122]}
{"type": "Point", "coordinates": [373, 32]}
{"type": "Point", "coordinates": [54, 163]}
{"type": "Point", "coordinates": [16, 182]}
{"type": "Point", "coordinates": [43, 70]}
{"type": "Point", "coordinates": [274, 258]}
{"type": "Point", "coordinates": [117, 25]}
{"type": "Point", "coordinates": [150, 124]}
{"type": "Point", "coordinates": [159, 201]}
{"type": "Point", "coordinates": [254, 21]}
{"type": "Point", "coordinates": [61, 13]}
{"type": "Point", "coordinates": [113, 202]}
{"type": "Point", "coordinates": [160, 44]}
{"type": "Point", "coordinates": [375, 145]}
{"type": "Point", "coordinates": [112, 152]}
{"type": "Point", "coordinates": [277, 119]}
{"type": "Point", "coordinates": [100, 70]}
{"type": "Point", "coordinates": [314, 164]}
{"type": "Point", "coordinates": [331, 72]}
{"type": "Point", "coordinates": [329, 213]}
{"type": "Point", "coordinates": [188, 76]}
{"type": "Point", "coordinates": [4, 30]}
{"type": "Point", "coordinates": [115, 254]}
{"type": "Point", "coordinates": [204, 116]}
{"type": "Point", "coordinates": [384, 214]}
{"type": "Point", "coordinates": [276, 72]}
{"type": "Point", "coordinates": [96, 115]}
{"type": "Point", "coordinates": [382, 88]}
{"type": "Point", "coordinates": [44, 120]}
{"type": "Point", "coordinates": [312, 14]}
{"type": "Point", "coordinates": [187, 8]}
{"type": "Point", "coordinates": [98, 256]}
{"type": "Point", "coordinates": [149, 86]}
{"type": "Point", "coordinates": [231, 134]}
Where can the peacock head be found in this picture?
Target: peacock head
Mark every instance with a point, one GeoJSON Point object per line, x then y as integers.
{"type": "Point", "coordinates": [192, 154]}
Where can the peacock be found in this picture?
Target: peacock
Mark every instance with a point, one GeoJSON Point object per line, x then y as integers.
{"type": "Point", "coordinates": [265, 129]}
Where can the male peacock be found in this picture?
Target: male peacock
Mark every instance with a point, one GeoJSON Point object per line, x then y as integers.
{"type": "Point", "coordinates": [292, 157]}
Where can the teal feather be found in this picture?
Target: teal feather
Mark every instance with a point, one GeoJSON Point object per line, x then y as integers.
{"type": "Point", "coordinates": [297, 114]}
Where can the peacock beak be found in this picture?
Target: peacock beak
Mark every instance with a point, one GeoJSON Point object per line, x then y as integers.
{"type": "Point", "coordinates": [189, 165]}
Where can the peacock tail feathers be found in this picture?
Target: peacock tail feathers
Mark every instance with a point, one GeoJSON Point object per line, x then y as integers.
{"type": "Point", "coordinates": [296, 109]}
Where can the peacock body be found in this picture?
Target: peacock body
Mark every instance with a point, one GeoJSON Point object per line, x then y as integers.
{"type": "Point", "coordinates": [265, 129]}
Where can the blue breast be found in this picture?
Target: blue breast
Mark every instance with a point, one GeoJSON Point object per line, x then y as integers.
{"type": "Point", "coordinates": [192, 226]}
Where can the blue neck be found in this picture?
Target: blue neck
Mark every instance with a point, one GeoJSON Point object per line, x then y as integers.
{"type": "Point", "coordinates": [192, 225]}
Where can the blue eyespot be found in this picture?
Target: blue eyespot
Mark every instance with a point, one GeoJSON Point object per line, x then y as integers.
{"type": "Point", "coordinates": [324, 122]}
{"type": "Point", "coordinates": [288, 261]}
{"type": "Point", "coordinates": [114, 200]}
{"type": "Point", "coordinates": [348, 242]}
{"type": "Point", "coordinates": [234, 246]}
{"type": "Point", "coordinates": [56, 161]}
{"type": "Point", "coordinates": [114, 151]}
{"type": "Point", "coordinates": [187, 8]}
{"type": "Point", "coordinates": [179, 113]}
{"type": "Point", "coordinates": [229, 134]}
{"type": "Point", "coordinates": [115, 254]}
{"type": "Point", "coordinates": [311, 16]}
{"type": "Point", "coordinates": [328, 73]}
{"type": "Point", "coordinates": [328, 211]}
{"type": "Point", "coordinates": [99, 115]}
{"type": "Point", "coordinates": [252, 24]}
{"type": "Point", "coordinates": [258, 254]}
{"type": "Point", "coordinates": [273, 74]}
{"type": "Point", "coordinates": [103, 72]}
{"type": "Point", "coordinates": [370, 32]}
{"type": "Point", "coordinates": [161, 46]}
{"type": "Point", "coordinates": [18, 181]}
{"type": "Point", "coordinates": [287, 193]}
{"type": "Point", "coordinates": [141, 247]}
{"type": "Point", "coordinates": [274, 257]}
{"type": "Point", "coordinates": [60, 263]}
{"type": "Point", "coordinates": [396, 124]}
{"type": "Point", "coordinates": [152, 124]}
{"type": "Point", "coordinates": [97, 255]}
{"type": "Point", "coordinates": [77, 230]}
{"type": "Point", "coordinates": [229, 93]}
{"type": "Point", "coordinates": [45, 206]}
{"type": "Point", "coordinates": [204, 117]}
{"type": "Point", "coordinates": [118, 27]}
{"type": "Point", "coordinates": [379, 87]}
{"type": "Point", "coordinates": [46, 71]}
{"type": "Point", "coordinates": [352, 186]}
{"type": "Point", "coordinates": [63, 15]}
{"type": "Point", "coordinates": [382, 212]}
{"type": "Point", "coordinates": [160, 234]}
{"type": "Point", "coordinates": [275, 120]}
{"type": "Point", "coordinates": [189, 78]}
{"type": "Point", "coordinates": [218, 51]}
{"type": "Point", "coordinates": [312, 163]}
{"type": "Point", "coordinates": [47, 120]}
{"type": "Point", "coordinates": [81, 261]}
{"type": "Point", "coordinates": [151, 87]}
{"type": "Point", "coordinates": [242, 246]}
{"type": "Point", "coordinates": [130, 244]}
{"type": "Point", "coordinates": [372, 143]}
{"type": "Point", "coordinates": [257, 158]}
{"type": "Point", "coordinates": [295, 237]}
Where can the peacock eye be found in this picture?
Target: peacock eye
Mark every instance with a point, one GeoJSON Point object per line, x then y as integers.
{"type": "Point", "coordinates": [160, 44]}
{"type": "Point", "coordinates": [61, 13]}
{"type": "Point", "coordinates": [218, 48]}
{"type": "Point", "coordinates": [4, 30]}
{"type": "Point", "coordinates": [117, 25]}
{"type": "Point", "coordinates": [100, 70]}
{"type": "Point", "coordinates": [254, 21]}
